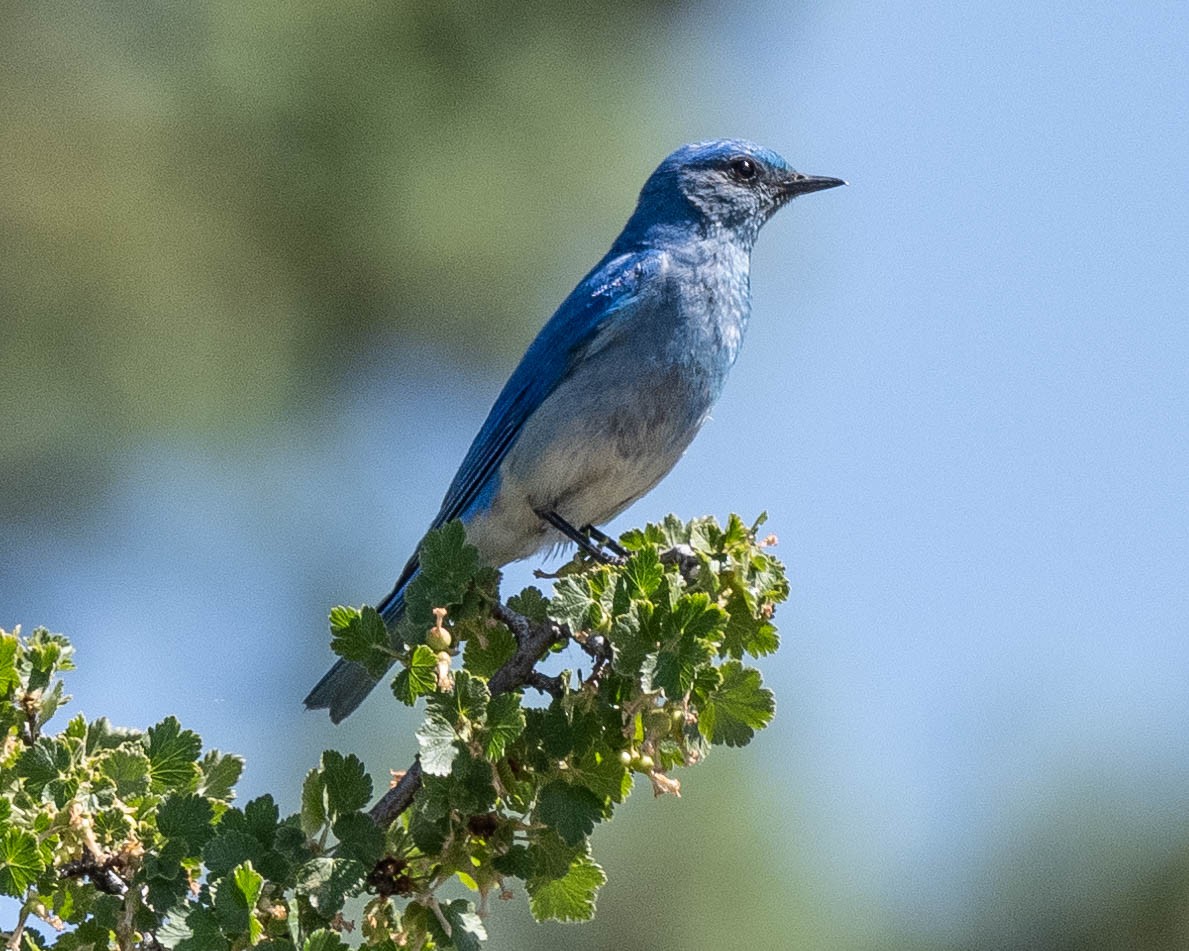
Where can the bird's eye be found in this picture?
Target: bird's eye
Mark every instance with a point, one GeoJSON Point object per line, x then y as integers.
{"type": "Point", "coordinates": [744, 168]}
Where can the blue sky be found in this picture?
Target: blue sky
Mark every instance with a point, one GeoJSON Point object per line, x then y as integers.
{"type": "Point", "coordinates": [972, 369]}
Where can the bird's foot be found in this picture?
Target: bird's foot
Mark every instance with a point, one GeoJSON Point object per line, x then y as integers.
{"type": "Point", "coordinates": [594, 543]}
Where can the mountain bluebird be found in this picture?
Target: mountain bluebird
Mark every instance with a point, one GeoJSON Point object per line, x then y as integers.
{"type": "Point", "coordinates": [620, 379]}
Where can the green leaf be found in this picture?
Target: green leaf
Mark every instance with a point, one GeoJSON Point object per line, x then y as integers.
{"type": "Point", "coordinates": [359, 838]}
{"type": "Point", "coordinates": [573, 604]}
{"type": "Point", "coordinates": [128, 769]}
{"type": "Point", "coordinates": [571, 727]}
{"type": "Point", "coordinates": [677, 663]}
{"type": "Point", "coordinates": [249, 882]}
{"type": "Point", "coordinates": [471, 788]}
{"type": "Point", "coordinates": [200, 932]}
{"type": "Point", "coordinates": [76, 729]}
{"type": "Point", "coordinates": [46, 761]}
{"type": "Point", "coordinates": [50, 701]}
{"type": "Point", "coordinates": [418, 678]}
{"type": "Point", "coordinates": [164, 866]}
{"type": "Point", "coordinates": [21, 862]}
{"type": "Point", "coordinates": [548, 855]}
{"type": "Point", "coordinates": [174, 930]}
{"type": "Point", "coordinates": [9, 676]}
{"type": "Point", "coordinates": [703, 536]}
{"type": "Point", "coordinates": [348, 786]}
{"type": "Point", "coordinates": [327, 882]}
{"type": "Point", "coordinates": [46, 654]}
{"type": "Point", "coordinates": [186, 818]}
{"type": "Point", "coordinates": [466, 927]}
{"type": "Point", "coordinates": [290, 842]}
{"type": "Point", "coordinates": [737, 707]}
{"type": "Point", "coordinates": [504, 723]}
{"type": "Point", "coordinates": [220, 773]}
{"type": "Point", "coordinates": [570, 897]}
{"type": "Point", "coordinates": [101, 735]}
{"type": "Point", "coordinates": [261, 817]}
{"type": "Point", "coordinates": [359, 635]}
{"type": "Point", "coordinates": [515, 862]}
{"type": "Point", "coordinates": [428, 832]}
{"type": "Point", "coordinates": [235, 902]}
{"type": "Point", "coordinates": [530, 603]}
{"type": "Point", "coordinates": [633, 635]}
{"type": "Point", "coordinates": [486, 653]}
{"type": "Point", "coordinates": [570, 809]}
{"type": "Point", "coordinates": [448, 565]}
{"type": "Point", "coordinates": [603, 774]}
{"type": "Point", "coordinates": [172, 754]}
{"type": "Point", "coordinates": [436, 739]}
{"type": "Point", "coordinates": [745, 633]}
{"type": "Point", "coordinates": [313, 804]}
{"type": "Point", "coordinates": [229, 849]}
{"type": "Point", "coordinates": [695, 615]}
{"type": "Point", "coordinates": [324, 940]}
{"type": "Point", "coordinates": [643, 573]}
{"type": "Point", "coordinates": [465, 704]}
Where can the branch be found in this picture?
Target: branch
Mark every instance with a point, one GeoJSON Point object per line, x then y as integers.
{"type": "Point", "coordinates": [533, 640]}
{"type": "Point", "coordinates": [14, 939]}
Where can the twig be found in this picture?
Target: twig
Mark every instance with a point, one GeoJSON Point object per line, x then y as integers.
{"type": "Point", "coordinates": [102, 874]}
{"type": "Point", "coordinates": [533, 639]}
{"type": "Point", "coordinates": [14, 940]}
{"type": "Point", "coordinates": [546, 684]}
{"type": "Point", "coordinates": [398, 798]}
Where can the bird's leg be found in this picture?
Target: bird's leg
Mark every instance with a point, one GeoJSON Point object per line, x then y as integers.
{"type": "Point", "coordinates": [582, 537]}
{"type": "Point", "coordinates": [606, 541]}
{"type": "Point", "coordinates": [577, 537]}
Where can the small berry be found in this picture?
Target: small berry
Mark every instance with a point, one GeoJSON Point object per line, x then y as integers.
{"type": "Point", "coordinates": [438, 639]}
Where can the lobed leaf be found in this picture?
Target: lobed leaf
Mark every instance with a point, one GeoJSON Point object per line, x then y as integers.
{"type": "Point", "coordinates": [360, 635]}
{"type": "Point", "coordinates": [569, 897]}
{"type": "Point", "coordinates": [172, 757]}
{"type": "Point", "coordinates": [569, 808]}
{"type": "Point", "coordinates": [737, 707]}
{"type": "Point", "coordinates": [418, 678]}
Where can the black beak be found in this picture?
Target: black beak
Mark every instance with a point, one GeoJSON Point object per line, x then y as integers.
{"type": "Point", "coordinates": [798, 184]}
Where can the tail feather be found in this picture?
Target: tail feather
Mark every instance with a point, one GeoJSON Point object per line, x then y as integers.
{"type": "Point", "coordinates": [344, 688]}
{"type": "Point", "coordinates": [347, 684]}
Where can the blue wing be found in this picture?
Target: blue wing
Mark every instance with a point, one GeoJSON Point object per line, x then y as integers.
{"type": "Point", "coordinates": [585, 321]}
{"type": "Point", "coordinates": [586, 317]}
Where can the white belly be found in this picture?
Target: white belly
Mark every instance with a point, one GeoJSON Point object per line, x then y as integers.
{"type": "Point", "coordinates": [588, 466]}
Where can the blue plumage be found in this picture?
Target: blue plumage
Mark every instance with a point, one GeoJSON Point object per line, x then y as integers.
{"type": "Point", "coordinates": [617, 383]}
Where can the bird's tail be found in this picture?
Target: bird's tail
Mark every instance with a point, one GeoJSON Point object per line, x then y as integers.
{"type": "Point", "coordinates": [347, 684]}
{"type": "Point", "coordinates": [344, 688]}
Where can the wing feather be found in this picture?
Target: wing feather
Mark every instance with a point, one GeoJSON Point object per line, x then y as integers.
{"type": "Point", "coordinates": [583, 322]}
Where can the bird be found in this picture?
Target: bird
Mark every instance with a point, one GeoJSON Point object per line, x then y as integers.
{"type": "Point", "coordinates": [620, 379]}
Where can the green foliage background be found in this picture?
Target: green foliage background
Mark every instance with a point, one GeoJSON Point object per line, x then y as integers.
{"type": "Point", "coordinates": [207, 208]}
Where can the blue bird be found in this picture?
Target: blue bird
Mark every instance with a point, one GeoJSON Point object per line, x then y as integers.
{"type": "Point", "coordinates": [620, 379]}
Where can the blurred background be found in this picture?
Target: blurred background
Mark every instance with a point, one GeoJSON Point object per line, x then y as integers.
{"type": "Point", "coordinates": [264, 267]}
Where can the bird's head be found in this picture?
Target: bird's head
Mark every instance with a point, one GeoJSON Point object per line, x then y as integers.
{"type": "Point", "coordinates": [726, 185]}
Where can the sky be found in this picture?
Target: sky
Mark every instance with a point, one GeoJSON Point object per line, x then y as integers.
{"type": "Point", "coordinates": [962, 403]}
